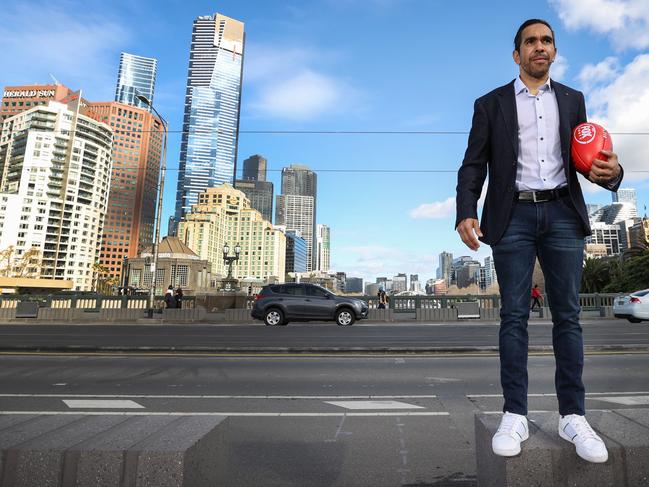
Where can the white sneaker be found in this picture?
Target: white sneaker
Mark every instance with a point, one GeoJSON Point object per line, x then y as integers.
{"type": "Point", "coordinates": [590, 447]}
{"type": "Point", "coordinates": [511, 432]}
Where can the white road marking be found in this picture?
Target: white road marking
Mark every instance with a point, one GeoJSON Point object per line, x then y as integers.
{"type": "Point", "coordinates": [374, 405]}
{"type": "Point", "coordinates": [627, 400]}
{"type": "Point", "coordinates": [169, 396]}
{"type": "Point", "coordinates": [102, 404]}
{"type": "Point", "coordinates": [229, 413]}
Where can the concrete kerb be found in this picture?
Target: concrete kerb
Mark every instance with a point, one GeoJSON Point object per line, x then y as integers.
{"type": "Point", "coordinates": [113, 450]}
{"type": "Point", "coordinates": [546, 459]}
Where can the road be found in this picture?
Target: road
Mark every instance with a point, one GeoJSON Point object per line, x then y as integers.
{"type": "Point", "coordinates": [305, 336]}
{"type": "Point", "coordinates": [316, 420]}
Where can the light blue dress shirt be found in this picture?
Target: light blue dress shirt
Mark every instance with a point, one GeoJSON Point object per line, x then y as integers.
{"type": "Point", "coordinates": [540, 166]}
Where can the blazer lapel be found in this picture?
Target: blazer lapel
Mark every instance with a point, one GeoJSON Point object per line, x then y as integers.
{"type": "Point", "coordinates": [563, 103]}
{"type": "Point", "coordinates": [507, 101]}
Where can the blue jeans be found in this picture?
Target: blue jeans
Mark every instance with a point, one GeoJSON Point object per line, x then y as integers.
{"type": "Point", "coordinates": [551, 231]}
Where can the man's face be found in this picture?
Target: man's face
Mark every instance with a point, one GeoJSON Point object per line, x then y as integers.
{"type": "Point", "coordinates": [537, 51]}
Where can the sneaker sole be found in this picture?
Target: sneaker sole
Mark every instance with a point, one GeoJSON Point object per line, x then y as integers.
{"type": "Point", "coordinates": [588, 459]}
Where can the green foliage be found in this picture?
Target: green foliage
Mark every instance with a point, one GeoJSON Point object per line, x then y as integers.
{"type": "Point", "coordinates": [633, 274]}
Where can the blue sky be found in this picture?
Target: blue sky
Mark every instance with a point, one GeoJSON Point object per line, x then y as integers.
{"type": "Point", "coordinates": [356, 65]}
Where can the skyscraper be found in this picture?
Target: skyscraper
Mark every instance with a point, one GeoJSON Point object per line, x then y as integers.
{"type": "Point", "coordinates": [298, 206]}
{"type": "Point", "coordinates": [208, 149]}
{"type": "Point", "coordinates": [137, 147]}
{"type": "Point", "coordinates": [255, 168]}
{"type": "Point", "coordinates": [55, 168]}
{"type": "Point", "coordinates": [136, 76]}
{"type": "Point", "coordinates": [254, 185]}
{"type": "Point", "coordinates": [323, 243]}
{"type": "Point", "coordinates": [444, 269]}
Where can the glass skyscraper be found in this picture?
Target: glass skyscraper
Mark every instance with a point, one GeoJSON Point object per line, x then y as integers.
{"type": "Point", "coordinates": [136, 76]}
{"type": "Point", "coordinates": [208, 149]}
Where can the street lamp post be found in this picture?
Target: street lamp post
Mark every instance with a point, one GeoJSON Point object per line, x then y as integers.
{"type": "Point", "coordinates": [158, 216]}
{"type": "Point", "coordinates": [229, 260]}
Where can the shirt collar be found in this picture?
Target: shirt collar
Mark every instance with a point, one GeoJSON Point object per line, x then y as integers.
{"type": "Point", "coordinates": [520, 86]}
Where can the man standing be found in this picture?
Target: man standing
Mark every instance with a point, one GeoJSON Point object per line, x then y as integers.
{"type": "Point", "coordinates": [520, 137]}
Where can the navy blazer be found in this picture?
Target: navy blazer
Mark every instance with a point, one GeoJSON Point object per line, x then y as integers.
{"type": "Point", "coordinates": [493, 150]}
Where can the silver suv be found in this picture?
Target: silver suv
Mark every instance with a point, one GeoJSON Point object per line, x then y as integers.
{"type": "Point", "coordinates": [277, 304]}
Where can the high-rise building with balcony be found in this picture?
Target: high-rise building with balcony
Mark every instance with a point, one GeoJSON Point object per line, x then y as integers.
{"type": "Point", "coordinates": [55, 169]}
{"type": "Point", "coordinates": [136, 76]}
{"type": "Point", "coordinates": [208, 149]}
{"type": "Point", "coordinates": [137, 145]}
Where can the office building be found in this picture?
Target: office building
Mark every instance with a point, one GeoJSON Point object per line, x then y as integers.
{"type": "Point", "coordinates": [298, 213]}
{"type": "Point", "coordinates": [296, 252]}
{"type": "Point", "coordinates": [354, 285]}
{"type": "Point", "coordinates": [254, 168]}
{"type": "Point", "coordinates": [260, 194]}
{"type": "Point", "coordinates": [17, 99]}
{"type": "Point", "coordinates": [490, 272]}
{"type": "Point", "coordinates": [208, 148]}
{"type": "Point", "coordinates": [609, 235]}
{"type": "Point", "coordinates": [224, 215]}
{"type": "Point", "coordinates": [639, 233]}
{"type": "Point", "coordinates": [399, 283]}
{"type": "Point", "coordinates": [414, 283]}
{"type": "Point", "coordinates": [445, 264]}
{"type": "Point", "coordinates": [55, 169]}
{"type": "Point", "coordinates": [625, 195]}
{"type": "Point", "coordinates": [299, 194]}
{"type": "Point", "coordinates": [468, 274]}
{"type": "Point", "coordinates": [323, 246]}
{"type": "Point", "coordinates": [614, 213]}
{"type": "Point", "coordinates": [136, 76]}
{"type": "Point", "coordinates": [137, 148]}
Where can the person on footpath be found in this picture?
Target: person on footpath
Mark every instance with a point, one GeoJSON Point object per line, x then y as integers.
{"type": "Point", "coordinates": [170, 300]}
{"type": "Point", "coordinates": [179, 297]}
{"type": "Point", "coordinates": [520, 136]}
{"type": "Point", "coordinates": [537, 297]}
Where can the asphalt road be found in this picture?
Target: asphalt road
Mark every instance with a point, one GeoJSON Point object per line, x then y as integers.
{"type": "Point", "coordinates": [598, 334]}
{"type": "Point", "coordinates": [316, 420]}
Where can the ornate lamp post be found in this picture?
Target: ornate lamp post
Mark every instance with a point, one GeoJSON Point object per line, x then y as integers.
{"type": "Point", "coordinates": [229, 260]}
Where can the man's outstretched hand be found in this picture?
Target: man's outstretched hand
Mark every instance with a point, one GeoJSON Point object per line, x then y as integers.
{"type": "Point", "coordinates": [468, 228]}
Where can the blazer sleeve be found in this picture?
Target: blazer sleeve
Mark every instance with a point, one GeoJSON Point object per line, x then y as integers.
{"type": "Point", "coordinates": [614, 184]}
{"type": "Point", "coordinates": [473, 172]}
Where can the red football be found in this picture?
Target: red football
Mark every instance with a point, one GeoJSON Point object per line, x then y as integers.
{"type": "Point", "coordinates": [588, 139]}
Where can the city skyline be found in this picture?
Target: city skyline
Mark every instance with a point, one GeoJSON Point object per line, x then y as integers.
{"type": "Point", "coordinates": [387, 212]}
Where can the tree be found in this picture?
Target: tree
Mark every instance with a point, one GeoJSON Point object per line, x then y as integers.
{"type": "Point", "coordinates": [25, 265]}
{"type": "Point", "coordinates": [633, 275]}
{"type": "Point", "coordinates": [104, 282]}
{"type": "Point", "coordinates": [595, 275]}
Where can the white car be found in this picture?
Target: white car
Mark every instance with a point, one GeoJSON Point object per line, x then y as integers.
{"type": "Point", "coordinates": [634, 307]}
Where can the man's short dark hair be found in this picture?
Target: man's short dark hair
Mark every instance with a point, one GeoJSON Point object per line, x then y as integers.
{"type": "Point", "coordinates": [519, 34]}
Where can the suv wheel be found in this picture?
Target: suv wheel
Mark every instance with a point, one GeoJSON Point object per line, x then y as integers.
{"type": "Point", "coordinates": [634, 320]}
{"type": "Point", "coordinates": [274, 317]}
{"type": "Point", "coordinates": [344, 317]}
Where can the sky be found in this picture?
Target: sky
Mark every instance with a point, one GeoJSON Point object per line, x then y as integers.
{"type": "Point", "coordinates": [404, 68]}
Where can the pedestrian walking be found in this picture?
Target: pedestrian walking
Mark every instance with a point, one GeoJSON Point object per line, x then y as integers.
{"type": "Point", "coordinates": [537, 297]}
{"type": "Point", "coordinates": [179, 298]}
{"type": "Point", "coordinates": [170, 300]}
{"type": "Point", "coordinates": [520, 137]}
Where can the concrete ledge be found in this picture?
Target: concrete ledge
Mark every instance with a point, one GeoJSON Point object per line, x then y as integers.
{"type": "Point", "coordinates": [238, 315]}
{"type": "Point", "coordinates": [548, 460]}
{"type": "Point", "coordinates": [435, 315]}
{"type": "Point", "coordinates": [380, 315]}
{"type": "Point", "coordinates": [112, 450]}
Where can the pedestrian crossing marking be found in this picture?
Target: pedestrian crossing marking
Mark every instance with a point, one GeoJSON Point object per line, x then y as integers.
{"type": "Point", "coordinates": [102, 404]}
{"type": "Point", "coordinates": [374, 405]}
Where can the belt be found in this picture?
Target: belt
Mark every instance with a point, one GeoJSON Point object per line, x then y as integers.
{"type": "Point", "coordinates": [542, 196]}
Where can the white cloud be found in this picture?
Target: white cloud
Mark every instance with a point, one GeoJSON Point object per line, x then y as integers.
{"type": "Point", "coordinates": [76, 47]}
{"type": "Point", "coordinates": [593, 74]}
{"type": "Point", "coordinates": [435, 210]}
{"type": "Point", "coordinates": [622, 105]}
{"type": "Point", "coordinates": [284, 84]}
{"type": "Point", "coordinates": [626, 22]}
{"type": "Point", "coordinates": [559, 67]}
{"type": "Point", "coordinates": [442, 209]}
